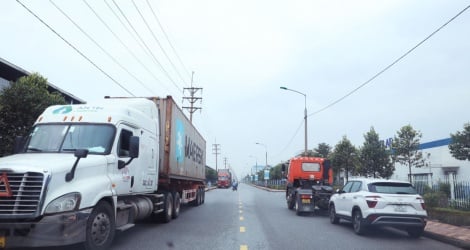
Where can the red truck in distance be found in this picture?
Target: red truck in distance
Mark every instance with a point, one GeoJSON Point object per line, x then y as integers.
{"type": "Point", "coordinates": [224, 178]}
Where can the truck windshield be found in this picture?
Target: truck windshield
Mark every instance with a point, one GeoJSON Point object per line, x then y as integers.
{"type": "Point", "coordinates": [96, 138]}
{"type": "Point", "coordinates": [311, 166]}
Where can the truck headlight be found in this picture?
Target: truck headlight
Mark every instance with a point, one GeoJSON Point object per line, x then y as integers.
{"type": "Point", "coordinates": [65, 203]}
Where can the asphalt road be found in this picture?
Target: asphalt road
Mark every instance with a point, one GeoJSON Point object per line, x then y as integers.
{"type": "Point", "coordinates": [251, 218]}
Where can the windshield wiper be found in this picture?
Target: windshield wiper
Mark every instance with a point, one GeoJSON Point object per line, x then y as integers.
{"type": "Point", "coordinates": [34, 149]}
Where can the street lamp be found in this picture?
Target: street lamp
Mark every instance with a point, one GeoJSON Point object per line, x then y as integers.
{"type": "Point", "coordinates": [266, 149]}
{"type": "Point", "coordinates": [305, 114]}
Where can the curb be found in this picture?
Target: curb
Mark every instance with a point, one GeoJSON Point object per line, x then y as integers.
{"type": "Point", "coordinates": [446, 239]}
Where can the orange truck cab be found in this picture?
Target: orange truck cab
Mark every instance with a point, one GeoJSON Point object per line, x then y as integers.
{"type": "Point", "coordinates": [309, 181]}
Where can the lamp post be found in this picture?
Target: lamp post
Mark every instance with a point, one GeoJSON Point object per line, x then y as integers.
{"type": "Point", "coordinates": [266, 149]}
{"type": "Point", "coordinates": [305, 114]}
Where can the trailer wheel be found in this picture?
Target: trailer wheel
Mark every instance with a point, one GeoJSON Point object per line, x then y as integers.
{"type": "Point", "coordinates": [203, 192]}
{"type": "Point", "coordinates": [198, 197]}
{"type": "Point", "coordinates": [167, 213]}
{"type": "Point", "coordinates": [100, 228]}
{"type": "Point", "coordinates": [176, 205]}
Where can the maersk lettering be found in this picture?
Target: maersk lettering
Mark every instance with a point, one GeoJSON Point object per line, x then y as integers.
{"type": "Point", "coordinates": [193, 151]}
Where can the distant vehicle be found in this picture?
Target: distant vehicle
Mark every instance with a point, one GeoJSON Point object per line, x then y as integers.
{"type": "Point", "coordinates": [224, 178]}
{"type": "Point", "coordinates": [88, 170]}
{"type": "Point", "coordinates": [308, 185]}
{"type": "Point", "coordinates": [377, 202]}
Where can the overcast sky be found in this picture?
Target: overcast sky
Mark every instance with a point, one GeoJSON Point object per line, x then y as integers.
{"type": "Point", "coordinates": [242, 51]}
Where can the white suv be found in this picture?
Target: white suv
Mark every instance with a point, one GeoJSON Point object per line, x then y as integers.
{"type": "Point", "coordinates": [377, 202]}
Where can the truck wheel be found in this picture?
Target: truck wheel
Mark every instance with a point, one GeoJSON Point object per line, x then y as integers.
{"type": "Point", "coordinates": [203, 195]}
{"type": "Point", "coordinates": [333, 218]}
{"type": "Point", "coordinates": [359, 227]}
{"type": "Point", "coordinates": [176, 205]}
{"type": "Point", "coordinates": [290, 202]}
{"type": "Point", "coordinates": [100, 228]}
{"type": "Point", "coordinates": [167, 213]}
{"type": "Point", "coordinates": [199, 200]}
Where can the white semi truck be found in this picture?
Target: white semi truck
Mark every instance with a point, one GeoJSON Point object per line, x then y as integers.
{"type": "Point", "coordinates": [85, 171]}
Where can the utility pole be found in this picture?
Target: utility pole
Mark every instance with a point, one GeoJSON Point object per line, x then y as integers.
{"type": "Point", "coordinates": [225, 162]}
{"type": "Point", "coordinates": [216, 151]}
{"type": "Point", "coordinates": [192, 99]}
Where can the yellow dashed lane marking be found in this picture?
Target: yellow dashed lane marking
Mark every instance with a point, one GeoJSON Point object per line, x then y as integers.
{"type": "Point", "coordinates": [243, 247]}
{"type": "Point", "coordinates": [241, 218]}
{"type": "Point", "coordinates": [242, 229]}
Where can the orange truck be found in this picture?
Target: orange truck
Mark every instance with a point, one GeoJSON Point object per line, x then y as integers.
{"type": "Point", "coordinates": [309, 181]}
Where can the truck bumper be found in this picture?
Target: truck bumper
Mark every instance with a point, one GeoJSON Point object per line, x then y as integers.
{"type": "Point", "coordinates": [52, 230]}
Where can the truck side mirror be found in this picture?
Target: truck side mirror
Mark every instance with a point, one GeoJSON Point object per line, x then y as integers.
{"type": "Point", "coordinates": [283, 169]}
{"type": "Point", "coordinates": [134, 143]}
{"type": "Point", "coordinates": [18, 146]}
{"type": "Point", "coordinates": [326, 169]}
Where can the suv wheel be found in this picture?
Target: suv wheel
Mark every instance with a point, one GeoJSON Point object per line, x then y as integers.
{"type": "Point", "coordinates": [359, 227]}
{"type": "Point", "coordinates": [415, 232]}
{"type": "Point", "coordinates": [333, 218]}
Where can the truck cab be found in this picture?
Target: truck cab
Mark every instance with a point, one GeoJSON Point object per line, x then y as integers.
{"type": "Point", "coordinates": [308, 185]}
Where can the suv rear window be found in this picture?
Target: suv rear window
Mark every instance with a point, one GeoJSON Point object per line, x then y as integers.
{"type": "Point", "coordinates": [391, 188]}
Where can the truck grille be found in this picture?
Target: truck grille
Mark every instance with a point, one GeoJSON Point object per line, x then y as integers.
{"type": "Point", "coordinates": [20, 193]}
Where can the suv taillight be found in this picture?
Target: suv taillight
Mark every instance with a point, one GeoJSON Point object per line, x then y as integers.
{"type": "Point", "coordinates": [421, 200]}
{"type": "Point", "coordinates": [372, 201]}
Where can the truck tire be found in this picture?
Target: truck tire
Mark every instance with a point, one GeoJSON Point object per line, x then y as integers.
{"type": "Point", "coordinates": [203, 198]}
{"type": "Point", "coordinates": [333, 218]}
{"type": "Point", "coordinates": [359, 227]}
{"type": "Point", "coordinates": [290, 201]}
{"type": "Point", "coordinates": [100, 228]}
{"type": "Point", "coordinates": [176, 205]}
{"type": "Point", "coordinates": [167, 213]}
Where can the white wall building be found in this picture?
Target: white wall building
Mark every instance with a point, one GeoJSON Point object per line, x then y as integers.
{"type": "Point", "coordinates": [440, 165]}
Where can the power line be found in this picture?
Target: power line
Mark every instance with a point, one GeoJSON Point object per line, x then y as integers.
{"type": "Point", "coordinates": [120, 40]}
{"type": "Point", "coordinates": [292, 138]}
{"type": "Point", "coordinates": [74, 48]}
{"type": "Point", "coordinates": [143, 42]}
{"type": "Point", "coordinates": [169, 42]}
{"type": "Point", "coordinates": [127, 29]}
{"type": "Point", "coordinates": [392, 64]}
{"type": "Point", "coordinates": [98, 45]}
{"type": "Point", "coordinates": [156, 40]}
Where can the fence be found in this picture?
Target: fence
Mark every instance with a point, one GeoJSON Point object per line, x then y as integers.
{"type": "Point", "coordinates": [456, 190]}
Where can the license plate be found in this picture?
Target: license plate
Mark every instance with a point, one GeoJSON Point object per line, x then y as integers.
{"type": "Point", "coordinates": [306, 201]}
{"type": "Point", "coordinates": [400, 208]}
{"type": "Point", "coordinates": [2, 242]}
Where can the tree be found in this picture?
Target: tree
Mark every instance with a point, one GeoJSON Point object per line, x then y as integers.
{"type": "Point", "coordinates": [17, 115]}
{"type": "Point", "coordinates": [460, 144]}
{"type": "Point", "coordinates": [374, 157]}
{"type": "Point", "coordinates": [323, 150]}
{"type": "Point", "coordinates": [275, 173]}
{"type": "Point", "coordinates": [405, 148]}
{"type": "Point", "coordinates": [309, 153]}
{"type": "Point", "coordinates": [211, 175]}
{"type": "Point", "coordinates": [344, 157]}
